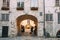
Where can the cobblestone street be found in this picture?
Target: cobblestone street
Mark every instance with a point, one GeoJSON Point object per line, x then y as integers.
{"type": "Point", "coordinates": [29, 38]}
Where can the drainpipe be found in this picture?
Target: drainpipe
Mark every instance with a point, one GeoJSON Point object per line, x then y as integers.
{"type": "Point", "coordinates": [44, 30]}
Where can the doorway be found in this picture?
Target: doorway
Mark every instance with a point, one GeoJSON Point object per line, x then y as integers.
{"type": "Point", "coordinates": [27, 25]}
{"type": "Point", "coordinates": [4, 31]}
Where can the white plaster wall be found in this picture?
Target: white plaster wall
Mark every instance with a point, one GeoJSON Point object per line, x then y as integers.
{"type": "Point", "coordinates": [26, 10]}
{"type": "Point", "coordinates": [1, 4]}
{"type": "Point", "coordinates": [40, 29]}
{"type": "Point", "coordinates": [49, 9]}
{"type": "Point", "coordinates": [0, 29]}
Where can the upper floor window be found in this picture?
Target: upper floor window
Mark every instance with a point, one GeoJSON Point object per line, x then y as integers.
{"type": "Point", "coordinates": [49, 17]}
{"type": "Point", "coordinates": [57, 3]}
{"type": "Point", "coordinates": [5, 17]}
{"type": "Point", "coordinates": [20, 4]}
{"type": "Point", "coordinates": [5, 5]}
{"type": "Point", "coordinates": [34, 4]}
{"type": "Point", "coordinates": [59, 18]}
{"type": "Point", "coordinates": [40, 13]}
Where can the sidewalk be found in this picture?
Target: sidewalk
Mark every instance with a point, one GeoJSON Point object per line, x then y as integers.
{"type": "Point", "coordinates": [29, 38]}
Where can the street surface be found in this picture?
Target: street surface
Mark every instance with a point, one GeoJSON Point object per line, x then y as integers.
{"type": "Point", "coordinates": [29, 38]}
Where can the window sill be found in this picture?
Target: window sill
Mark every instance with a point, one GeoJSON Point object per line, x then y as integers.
{"type": "Point", "coordinates": [4, 20]}
{"type": "Point", "coordinates": [34, 8]}
{"type": "Point", "coordinates": [50, 21]}
{"type": "Point", "coordinates": [19, 8]}
{"type": "Point", "coordinates": [57, 5]}
{"type": "Point", "coordinates": [5, 8]}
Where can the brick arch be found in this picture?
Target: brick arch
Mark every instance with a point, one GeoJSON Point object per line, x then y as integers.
{"type": "Point", "coordinates": [24, 17]}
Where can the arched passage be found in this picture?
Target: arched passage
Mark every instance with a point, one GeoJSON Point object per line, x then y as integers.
{"type": "Point", "coordinates": [58, 34]}
{"type": "Point", "coordinates": [26, 17]}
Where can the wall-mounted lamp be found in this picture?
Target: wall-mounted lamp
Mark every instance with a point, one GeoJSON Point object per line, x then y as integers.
{"type": "Point", "coordinates": [12, 22]}
{"type": "Point", "coordinates": [9, 11]}
{"type": "Point", "coordinates": [55, 10]}
{"type": "Point", "coordinates": [48, 11]}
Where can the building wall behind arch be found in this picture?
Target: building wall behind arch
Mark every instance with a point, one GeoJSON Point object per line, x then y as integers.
{"type": "Point", "coordinates": [28, 11]}
{"type": "Point", "coordinates": [49, 8]}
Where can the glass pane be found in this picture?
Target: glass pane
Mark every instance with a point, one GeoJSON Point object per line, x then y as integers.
{"type": "Point", "coordinates": [58, 18]}
{"type": "Point", "coordinates": [7, 3]}
{"type": "Point", "coordinates": [40, 13]}
{"type": "Point", "coordinates": [51, 17]}
{"type": "Point", "coordinates": [4, 1]}
{"type": "Point", "coordinates": [22, 4]}
{"type": "Point", "coordinates": [47, 17]}
{"type": "Point", "coordinates": [7, 17]}
{"type": "Point", "coordinates": [57, 2]}
{"type": "Point", "coordinates": [21, 0]}
{"type": "Point", "coordinates": [18, 4]}
{"type": "Point", "coordinates": [3, 17]}
{"type": "Point", "coordinates": [34, 3]}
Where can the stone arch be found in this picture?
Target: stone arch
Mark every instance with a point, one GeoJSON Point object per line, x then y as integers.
{"type": "Point", "coordinates": [58, 33]}
{"type": "Point", "coordinates": [24, 17]}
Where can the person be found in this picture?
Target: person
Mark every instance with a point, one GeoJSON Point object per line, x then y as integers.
{"type": "Point", "coordinates": [22, 28]}
{"type": "Point", "coordinates": [35, 31]}
{"type": "Point", "coordinates": [31, 30]}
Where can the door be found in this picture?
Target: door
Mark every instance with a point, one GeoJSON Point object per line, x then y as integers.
{"type": "Point", "coordinates": [5, 31]}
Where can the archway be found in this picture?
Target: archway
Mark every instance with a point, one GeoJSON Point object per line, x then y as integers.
{"type": "Point", "coordinates": [58, 34]}
{"type": "Point", "coordinates": [29, 18]}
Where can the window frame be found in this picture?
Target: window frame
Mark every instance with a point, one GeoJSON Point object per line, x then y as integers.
{"type": "Point", "coordinates": [41, 14]}
{"type": "Point", "coordinates": [58, 17]}
{"type": "Point", "coordinates": [6, 3]}
{"type": "Point", "coordinates": [34, 8]}
{"type": "Point", "coordinates": [20, 4]}
{"type": "Point", "coordinates": [57, 2]}
{"type": "Point", "coordinates": [33, 4]}
{"type": "Point", "coordinates": [4, 18]}
{"type": "Point", "coordinates": [49, 17]}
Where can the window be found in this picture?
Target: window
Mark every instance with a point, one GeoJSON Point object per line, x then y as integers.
{"type": "Point", "coordinates": [5, 3]}
{"type": "Point", "coordinates": [5, 17]}
{"type": "Point", "coordinates": [49, 17]}
{"type": "Point", "coordinates": [57, 2]}
{"type": "Point", "coordinates": [34, 4]}
{"type": "Point", "coordinates": [40, 13]}
{"type": "Point", "coordinates": [20, 3]}
{"type": "Point", "coordinates": [59, 18]}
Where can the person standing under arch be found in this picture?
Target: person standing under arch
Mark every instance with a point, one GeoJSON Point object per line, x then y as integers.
{"type": "Point", "coordinates": [35, 30]}
{"type": "Point", "coordinates": [22, 29]}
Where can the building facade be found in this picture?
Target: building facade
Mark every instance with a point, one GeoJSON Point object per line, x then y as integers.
{"type": "Point", "coordinates": [27, 13]}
